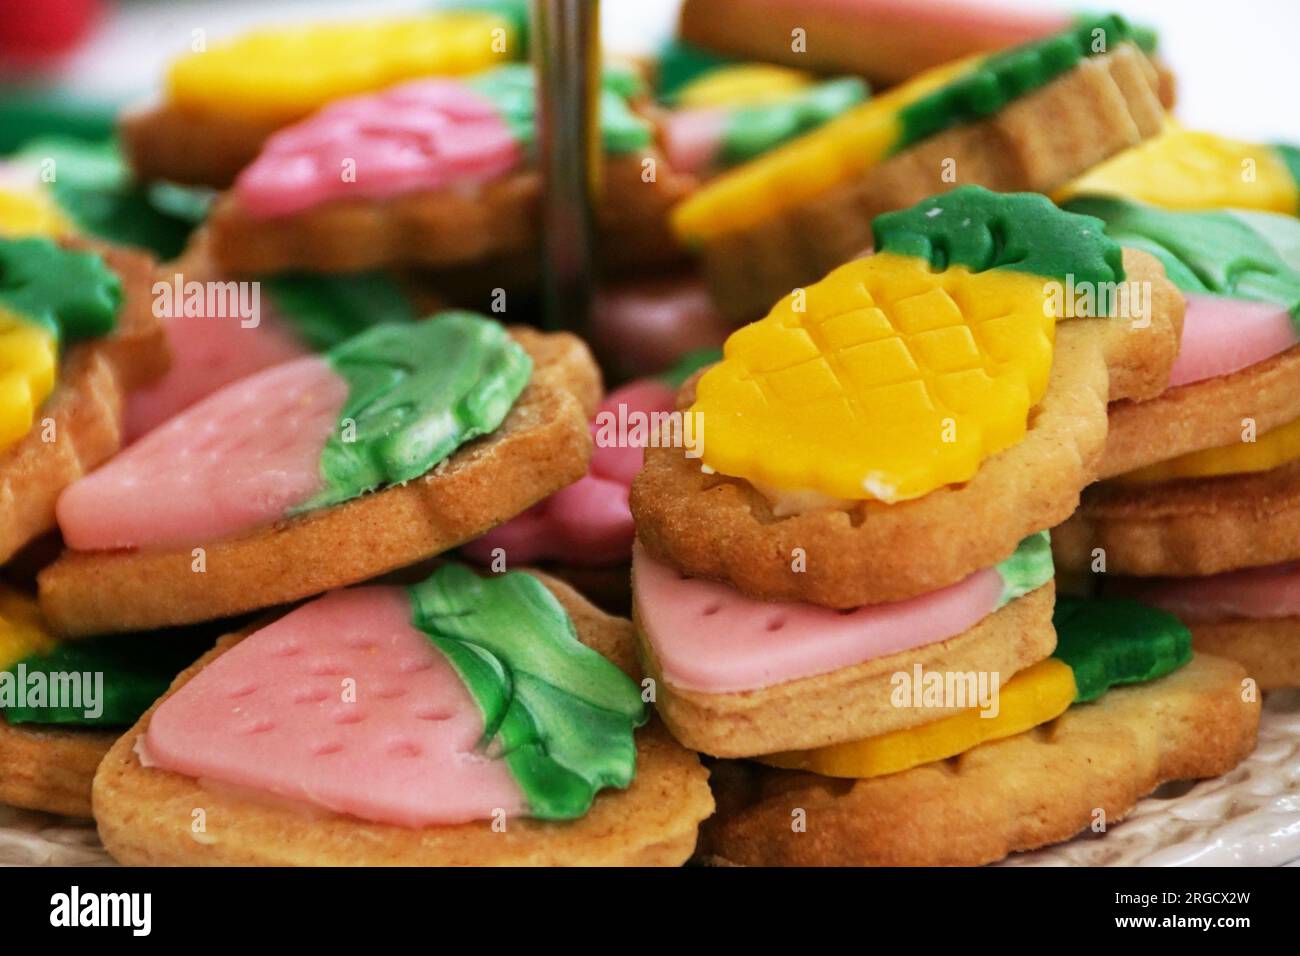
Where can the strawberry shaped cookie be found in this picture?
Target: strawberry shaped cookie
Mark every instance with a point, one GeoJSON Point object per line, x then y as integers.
{"type": "Point", "coordinates": [397, 444]}
{"type": "Point", "coordinates": [460, 721]}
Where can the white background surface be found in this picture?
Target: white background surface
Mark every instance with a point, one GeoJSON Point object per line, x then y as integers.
{"type": "Point", "coordinates": [1237, 67]}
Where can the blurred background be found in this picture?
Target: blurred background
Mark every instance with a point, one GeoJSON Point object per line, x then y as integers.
{"type": "Point", "coordinates": [1235, 63]}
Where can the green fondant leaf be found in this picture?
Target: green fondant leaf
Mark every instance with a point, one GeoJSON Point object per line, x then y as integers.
{"type": "Point", "coordinates": [133, 671]}
{"type": "Point", "coordinates": [1028, 568]}
{"type": "Point", "coordinates": [327, 310]}
{"type": "Point", "coordinates": [416, 393]}
{"type": "Point", "coordinates": [753, 130]}
{"type": "Point", "coordinates": [1215, 252]}
{"type": "Point", "coordinates": [513, 89]}
{"type": "Point", "coordinates": [73, 294]}
{"type": "Point", "coordinates": [982, 230]}
{"type": "Point", "coordinates": [1113, 641]}
{"type": "Point", "coordinates": [992, 83]}
{"type": "Point", "coordinates": [93, 185]}
{"type": "Point", "coordinates": [561, 715]}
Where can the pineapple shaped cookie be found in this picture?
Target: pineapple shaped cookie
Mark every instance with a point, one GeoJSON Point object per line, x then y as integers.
{"type": "Point", "coordinates": [951, 387]}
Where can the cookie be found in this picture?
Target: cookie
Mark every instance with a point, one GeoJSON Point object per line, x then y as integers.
{"type": "Point", "coordinates": [50, 769]}
{"type": "Point", "coordinates": [722, 528]}
{"type": "Point", "coordinates": [1015, 794]}
{"type": "Point", "coordinates": [220, 103]}
{"type": "Point", "coordinates": [297, 206]}
{"type": "Point", "coordinates": [293, 546]}
{"type": "Point", "coordinates": [779, 222]}
{"type": "Point", "coordinates": [886, 40]}
{"type": "Point", "coordinates": [146, 815]}
{"type": "Point", "coordinates": [844, 703]}
{"type": "Point", "coordinates": [1269, 649]}
{"type": "Point", "coordinates": [1193, 170]}
{"type": "Point", "coordinates": [1187, 527]}
{"type": "Point", "coordinates": [1240, 275]}
{"type": "Point", "coordinates": [82, 406]}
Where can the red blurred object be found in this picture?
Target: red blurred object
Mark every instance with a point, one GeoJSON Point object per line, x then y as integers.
{"type": "Point", "coordinates": [33, 32]}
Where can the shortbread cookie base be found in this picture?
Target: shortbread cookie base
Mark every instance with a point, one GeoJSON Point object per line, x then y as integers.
{"type": "Point", "coordinates": [1185, 528]}
{"type": "Point", "coordinates": [1021, 793]}
{"type": "Point", "coordinates": [50, 768]}
{"type": "Point", "coordinates": [717, 527]}
{"type": "Point", "coordinates": [543, 445]}
{"type": "Point", "coordinates": [852, 702]}
{"type": "Point", "coordinates": [146, 816]}
{"type": "Point", "coordinates": [1040, 141]}
{"type": "Point", "coordinates": [1268, 648]}
{"type": "Point", "coordinates": [448, 227]}
{"type": "Point", "coordinates": [1207, 414]}
{"type": "Point", "coordinates": [163, 141]}
{"type": "Point", "coordinates": [84, 413]}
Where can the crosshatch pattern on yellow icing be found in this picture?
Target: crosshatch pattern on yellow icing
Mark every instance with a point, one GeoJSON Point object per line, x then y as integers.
{"type": "Point", "coordinates": [887, 382]}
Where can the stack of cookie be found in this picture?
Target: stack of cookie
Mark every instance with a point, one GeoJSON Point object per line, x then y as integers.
{"type": "Point", "coordinates": [855, 581]}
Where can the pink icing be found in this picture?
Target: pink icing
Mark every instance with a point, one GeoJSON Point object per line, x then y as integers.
{"type": "Point", "coordinates": [1221, 336]}
{"type": "Point", "coordinates": [271, 714]}
{"type": "Point", "coordinates": [587, 524]}
{"type": "Point", "coordinates": [645, 326]}
{"type": "Point", "coordinates": [207, 353]}
{"type": "Point", "coordinates": [1266, 592]}
{"type": "Point", "coordinates": [239, 459]}
{"type": "Point", "coordinates": [424, 135]}
{"type": "Point", "coordinates": [692, 138]}
{"type": "Point", "coordinates": [710, 638]}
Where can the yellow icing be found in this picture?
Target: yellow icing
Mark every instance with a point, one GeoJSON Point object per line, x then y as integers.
{"type": "Point", "coordinates": [789, 176]}
{"type": "Point", "coordinates": [22, 629]}
{"type": "Point", "coordinates": [282, 74]}
{"type": "Point", "coordinates": [1274, 448]}
{"type": "Point", "coordinates": [31, 213]}
{"type": "Point", "coordinates": [1186, 169]}
{"type": "Point", "coordinates": [890, 382]}
{"type": "Point", "coordinates": [742, 85]}
{"type": "Point", "coordinates": [28, 362]}
{"type": "Point", "coordinates": [1034, 696]}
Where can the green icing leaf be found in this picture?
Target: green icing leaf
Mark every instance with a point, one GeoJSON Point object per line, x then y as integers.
{"type": "Point", "coordinates": [995, 81]}
{"type": "Point", "coordinates": [27, 113]}
{"type": "Point", "coordinates": [73, 294]}
{"type": "Point", "coordinates": [688, 365]}
{"type": "Point", "coordinates": [1028, 568]}
{"type": "Point", "coordinates": [135, 669]}
{"type": "Point", "coordinates": [983, 230]}
{"type": "Point", "coordinates": [326, 310]}
{"type": "Point", "coordinates": [753, 130]}
{"type": "Point", "coordinates": [416, 393]}
{"type": "Point", "coordinates": [1113, 641]}
{"type": "Point", "coordinates": [1214, 252]}
{"type": "Point", "coordinates": [561, 715]}
{"type": "Point", "coordinates": [93, 185]}
{"type": "Point", "coordinates": [513, 89]}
